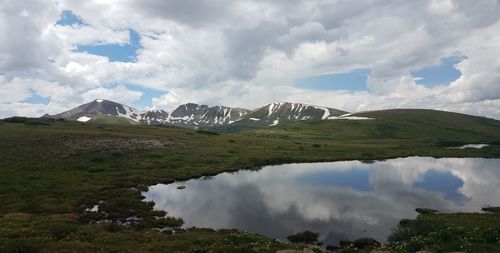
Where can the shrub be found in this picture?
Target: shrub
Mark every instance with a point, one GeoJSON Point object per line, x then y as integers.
{"type": "Point", "coordinates": [170, 222]}
{"type": "Point", "coordinates": [207, 132]}
{"type": "Point", "coordinates": [425, 210]}
{"type": "Point", "coordinates": [345, 243]}
{"type": "Point", "coordinates": [421, 226]}
{"type": "Point", "coordinates": [491, 209]}
{"type": "Point", "coordinates": [365, 242]}
{"type": "Point", "coordinates": [331, 248]}
{"type": "Point", "coordinates": [306, 237]}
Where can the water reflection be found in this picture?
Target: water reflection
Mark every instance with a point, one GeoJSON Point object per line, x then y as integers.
{"type": "Point", "coordinates": [341, 200]}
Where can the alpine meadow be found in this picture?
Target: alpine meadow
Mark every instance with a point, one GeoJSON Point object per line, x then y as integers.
{"type": "Point", "coordinates": [250, 126]}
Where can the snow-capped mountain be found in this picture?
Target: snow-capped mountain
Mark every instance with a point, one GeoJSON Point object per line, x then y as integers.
{"type": "Point", "coordinates": [187, 115]}
{"type": "Point", "coordinates": [199, 116]}
{"type": "Point", "coordinates": [278, 112]}
{"type": "Point", "coordinates": [154, 117]}
{"type": "Point", "coordinates": [100, 107]}
{"type": "Point", "coordinates": [194, 115]}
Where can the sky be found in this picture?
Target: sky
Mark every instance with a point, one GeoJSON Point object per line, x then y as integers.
{"type": "Point", "coordinates": [158, 54]}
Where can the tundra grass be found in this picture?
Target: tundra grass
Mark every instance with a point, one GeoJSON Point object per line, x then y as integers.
{"type": "Point", "coordinates": [52, 173]}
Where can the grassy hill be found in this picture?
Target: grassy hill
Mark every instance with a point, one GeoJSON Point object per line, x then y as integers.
{"type": "Point", "coordinates": [439, 127]}
{"type": "Point", "coordinates": [52, 171]}
{"type": "Point", "coordinates": [279, 114]}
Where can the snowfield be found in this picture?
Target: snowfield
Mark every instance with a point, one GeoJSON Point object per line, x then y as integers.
{"type": "Point", "coordinates": [83, 119]}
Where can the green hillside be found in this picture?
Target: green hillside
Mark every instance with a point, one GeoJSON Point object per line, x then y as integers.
{"type": "Point", "coordinates": [438, 127]}
{"type": "Point", "coordinates": [278, 114]}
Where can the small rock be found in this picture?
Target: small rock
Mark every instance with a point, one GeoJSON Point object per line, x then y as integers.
{"type": "Point", "coordinates": [180, 187]}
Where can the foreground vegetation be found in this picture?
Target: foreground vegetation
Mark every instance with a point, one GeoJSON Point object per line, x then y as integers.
{"type": "Point", "coordinates": [54, 172]}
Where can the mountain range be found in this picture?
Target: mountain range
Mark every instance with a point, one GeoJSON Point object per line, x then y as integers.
{"type": "Point", "coordinates": [201, 116]}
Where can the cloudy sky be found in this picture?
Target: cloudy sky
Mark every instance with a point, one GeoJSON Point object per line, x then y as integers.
{"type": "Point", "coordinates": [351, 55]}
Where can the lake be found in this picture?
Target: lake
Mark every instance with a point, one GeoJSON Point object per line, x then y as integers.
{"type": "Point", "coordinates": [340, 200]}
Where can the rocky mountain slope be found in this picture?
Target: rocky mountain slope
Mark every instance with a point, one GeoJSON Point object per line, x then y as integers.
{"type": "Point", "coordinates": [99, 107]}
{"type": "Point", "coordinates": [199, 116]}
{"type": "Point", "coordinates": [275, 113]}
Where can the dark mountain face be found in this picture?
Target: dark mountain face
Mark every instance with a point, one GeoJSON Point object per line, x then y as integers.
{"type": "Point", "coordinates": [187, 115]}
{"type": "Point", "coordinates": [200, 116]}
{"type": "Point", "coordinates": [155, 117]}
{"type": "Point", "coordinates": [204, 116]}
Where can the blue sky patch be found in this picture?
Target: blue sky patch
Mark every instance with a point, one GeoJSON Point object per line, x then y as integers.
{"type": "Point", "coordinates": [353, 179]}
{"type": "Point", "coordinates": [115, 52]}
{"type": "Point", "coordinates": [354, 80]}
{"type": "Point", "coordinates": [441, 74]}
{"type": "Point", "coordinates": [443, 182]}
{"type": "Point", "coordinates": [69, 18]}
{"type": "Point", "coordinates": [37, 99]}
{"type": "Point", "coordinates": [147, 95]}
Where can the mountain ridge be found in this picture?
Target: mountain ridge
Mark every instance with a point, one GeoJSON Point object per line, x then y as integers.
{"type": "Point", "coordinates": [196, 116]}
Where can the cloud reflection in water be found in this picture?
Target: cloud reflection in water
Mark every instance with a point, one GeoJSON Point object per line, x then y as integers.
{"type": "Point", "coordinates": [341, 200]}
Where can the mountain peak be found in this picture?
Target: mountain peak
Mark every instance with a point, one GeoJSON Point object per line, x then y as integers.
{"type": "Point", "coordinates": [275, 113]}
{"type": "Point", "coordinates": [193, 115]}
{"type": "Point", "coordinates": [99, 107]}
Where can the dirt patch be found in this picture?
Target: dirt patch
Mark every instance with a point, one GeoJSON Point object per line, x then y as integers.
{"type": "Point", "coordinates": [111, 144]}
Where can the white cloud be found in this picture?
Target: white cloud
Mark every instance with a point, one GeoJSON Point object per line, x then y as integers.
{"type": "Point", "coordinates": [249, 52]}
{"type": "Point", "coordinates": [119, 94]}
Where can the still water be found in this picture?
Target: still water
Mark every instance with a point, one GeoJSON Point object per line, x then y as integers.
{"type": "Point", "coordinates": [340, 200]}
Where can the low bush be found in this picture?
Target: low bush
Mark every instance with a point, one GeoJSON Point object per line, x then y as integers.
{"type": "Point", "coordinates": [207, 132]}
{"type": "Point", "coordinates": [491, 209]}
{"type": "Point", "coordinates": [425, 210]}
{"type": "Point", "coordinates": [306, 237]}
{"type": "Point", "coordinates": [365, 242]}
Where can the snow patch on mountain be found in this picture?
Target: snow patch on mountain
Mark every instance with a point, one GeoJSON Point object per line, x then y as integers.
{"type": "Point", "coordinates": [83, 119]}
